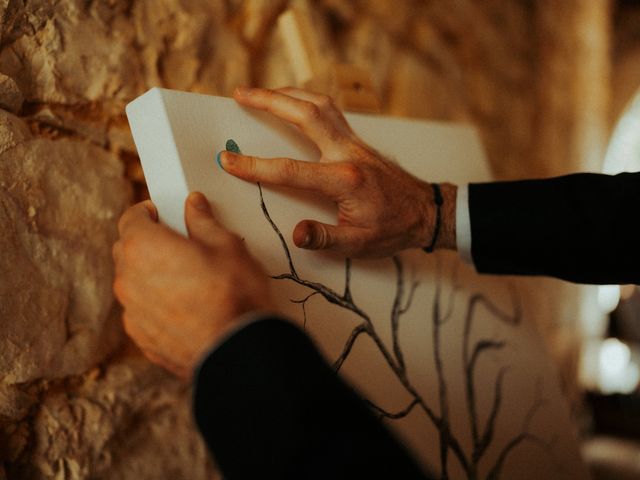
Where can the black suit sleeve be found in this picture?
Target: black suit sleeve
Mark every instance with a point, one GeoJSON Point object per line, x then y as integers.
{"type": "Point", "coordinates": [269, 407]}
{"type": "Point", "coordinates": [582, 228]}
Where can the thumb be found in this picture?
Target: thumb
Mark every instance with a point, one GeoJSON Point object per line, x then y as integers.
{"type": "Point", "coordinates": [201, 224]}
{"type": "Point", "coordinates": [313, 235]}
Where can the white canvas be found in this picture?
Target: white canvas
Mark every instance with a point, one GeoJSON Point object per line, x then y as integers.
{"type": "Point", "coordinates": [448, 358]}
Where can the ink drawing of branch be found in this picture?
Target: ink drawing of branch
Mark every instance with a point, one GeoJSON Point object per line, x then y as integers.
{"type": "Point", "coordinates": [483, 436]}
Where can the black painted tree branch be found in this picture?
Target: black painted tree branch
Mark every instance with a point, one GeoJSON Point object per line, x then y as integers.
{"type": "Point", "coordinates": [347, 302]}
{"type": "Point", "coordinates": [303, 303]}
{"type": "Point", "coordinates": [355, 333]}
{"type": "Point", "coordinates": [526, 436]}
{"type": "Point", "coordinates": [393, 416]}
{"type": "Point", "coordinates": [395, 360]}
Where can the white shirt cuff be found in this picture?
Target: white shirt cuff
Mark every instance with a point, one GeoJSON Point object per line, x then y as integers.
{"type": "Point", "coordinates": [463, 224]}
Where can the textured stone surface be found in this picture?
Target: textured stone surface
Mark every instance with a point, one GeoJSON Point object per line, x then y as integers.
{"type": "Point", "coordinates": [626, 57]}
{"type": "Point", "coordinates": [70, 51]}
{"type": "Point", "coordinates": [187, 45]}
{"type": "Point", "coordinates": [10, 95]}
{"type": "Point", "coordinates": [462, 60]}
{"type": "Point", "coordinates": [127, 420]}
{"type": "Point", "coordinates": [60, 200]}
{"type": "Point", "coordinates": [68, 408]}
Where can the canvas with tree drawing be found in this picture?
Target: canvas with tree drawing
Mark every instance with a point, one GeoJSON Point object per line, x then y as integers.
{"type": "Point", "coordinates": [448, 359]}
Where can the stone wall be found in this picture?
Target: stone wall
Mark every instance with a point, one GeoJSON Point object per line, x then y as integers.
{"type": "Point", "coordinates": [77, 400]}
{"type": "Point", "coordinates": [445, 60]}
{"type": "Point", "coordinates": [626, 56]}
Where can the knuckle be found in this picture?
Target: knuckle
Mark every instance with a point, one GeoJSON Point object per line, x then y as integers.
{"type": "Point", "coordinates": [235, 243]}
{"type": "Point", "coordinates": [119, 289]}
{"type": "Point", "coordinates": [326, 102]}
{"type": "Point", "coordinates": [322, 240]}
{"type": "Point", "coordinates": [257, 93]}
{"type": "Point", "coordinates": [227, 291]}
{"type": "Point", "coordinates": [361, 151]}
{"type": "Point", "coordinates": [116, 251]}
{"type": "Point", "coordinates": [357, 244]}
{"type": "Point", "coordinates": [253, 169]}
{"type": "Point", "coordinates": [122, 222]}
{"type": "Point", "coordinates": [130, 247]}
{"type": "Point", "coordinates": [129, 326]}
{"type": "Point", "coordinates": [311, 112]}
{"type": "Point", "coordinates": [230, 242]}
{"type": "Point", "coordinates": [289, 169]}
{"type": "Point", "coordinates": [127, 218]}
{"type": "Point", "coordinates": [250, 164]}
{"type": "Point", "coordinates": [352, 174]}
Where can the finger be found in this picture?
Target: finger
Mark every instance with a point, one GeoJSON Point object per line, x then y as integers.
{"type": "Point", "coordinates": [141, 325]}
{"type": "Point", "coordinates": [313, 235]}
{"type": "Point", "coordinates": [317, 98]}
{"type": "Point", "coordinates": [331, 180]}
{"type": "Point", "coordinates": [325, 103]}
{"type": "Point", "coordinates": [152, 357]}
{"type": "Point", "coordinates": [165, 363]}
{"type": "Point", "coordinates": [142, 213]}
{"type": "Point", "coordinates": [304, 114]}
{"type": "Point", "coordinates": [134, 331]}
{"type": "Point", "coordinates": [201, 224]}
{"type": "Point", "coordinates": [116, 253]}
{"type": "Point", "coordinates": [143, 240]}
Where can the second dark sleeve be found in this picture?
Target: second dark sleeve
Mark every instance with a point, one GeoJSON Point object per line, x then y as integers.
{"type": "Point", "coordinates": [270, 407]}
{"type": "Point", "coordinates": [582, 228]}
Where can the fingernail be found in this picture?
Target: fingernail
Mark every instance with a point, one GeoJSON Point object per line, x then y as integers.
{"type": "Point", "coordinates": [242, 91]}
{"type": "Point", "coordinates": [306, 241]}
{"type": "Point", "coordinates": [199, 201]}
{"type": "Point", "coordinates": [153, 212]}
{"type": "Point", "coordinates": [218, 159]}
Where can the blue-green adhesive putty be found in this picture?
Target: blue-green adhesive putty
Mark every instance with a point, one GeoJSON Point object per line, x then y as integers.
{"type": "Point", "coordinates": [230, 146]}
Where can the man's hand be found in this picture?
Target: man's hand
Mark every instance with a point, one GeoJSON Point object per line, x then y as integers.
{"type": "Point", "coordinates": [181, 295]}
{"type": "Point", "coordinates": [381, 208]}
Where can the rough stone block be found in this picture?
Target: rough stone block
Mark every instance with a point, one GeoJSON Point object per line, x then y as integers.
{"type": "Point", "coordinates": [71, 51]}
{"type": "Point", "coordinates": [61, 200]}
{"type": "Point", "coordinates": [10, 95]}
{"type": "Point", "coordinates": [130, 420]}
